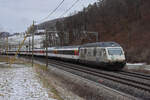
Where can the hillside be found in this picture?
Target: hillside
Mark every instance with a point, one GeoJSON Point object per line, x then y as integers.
{"type": "Point", "coordinates": [123, 21]}
{"type": "Point", "coordinates": [50, 25]}
{"type": "Point", "coordinates": [4, 34]}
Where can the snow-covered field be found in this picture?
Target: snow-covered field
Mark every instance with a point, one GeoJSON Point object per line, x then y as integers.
{"type": "Point", "coordinates": [21, 83]}
{"type": "Point", "coordinates": [138, 66]}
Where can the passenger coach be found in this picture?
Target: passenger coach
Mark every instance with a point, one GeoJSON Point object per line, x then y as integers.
{"type": "Point", "coordinates": [102, 54]}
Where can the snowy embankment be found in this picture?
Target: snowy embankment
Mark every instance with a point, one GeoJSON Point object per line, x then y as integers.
{"type": "Point", "coordinates": [20, 82]}
{"type": "Point", "coordinates": [138, 66]}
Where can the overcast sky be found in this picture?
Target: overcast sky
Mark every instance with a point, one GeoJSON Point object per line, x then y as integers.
{"type": "Point", "coordinates": [17, 15]}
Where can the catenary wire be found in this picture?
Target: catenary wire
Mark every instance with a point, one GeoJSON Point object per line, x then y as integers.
{"type": "Point", "coordinates": [69, 8]}
{"type": "Point", "coordinates": [52, 11]}
{"type": "Point", "coordinates": [58, 7]}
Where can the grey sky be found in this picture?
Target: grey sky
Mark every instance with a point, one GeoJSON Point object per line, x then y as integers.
{"type": "Point", "coordinates": [17, 15]}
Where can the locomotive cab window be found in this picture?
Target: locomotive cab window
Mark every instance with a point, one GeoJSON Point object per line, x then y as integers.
{"type": "Point", "coordinates": [115, 51]}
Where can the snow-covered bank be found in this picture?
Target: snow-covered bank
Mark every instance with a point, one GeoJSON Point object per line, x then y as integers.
{"type": "Point", "coordinates": [20, 82]}
{"type": "Point", "coordinates": [135, 64]}
{"type": "Point", "coordinates": [143, 66]}
{"type": "Point", "coordinates": [138, 67]}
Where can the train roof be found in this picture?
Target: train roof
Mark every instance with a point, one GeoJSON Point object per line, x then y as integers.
{"type": "Point", "coordinates": [67, 47]}
{"type": "Point", "coordinates": [64, 48]}
{"type": "Point", "coordinates": [51, 48]}
{"type": "Point", "coordinates": [97, 44]}
{"type": "Point", "coordinates": [101, 44]}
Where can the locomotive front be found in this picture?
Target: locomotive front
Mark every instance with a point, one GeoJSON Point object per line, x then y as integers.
{"type": "Point", "coordinates": [116, 56]}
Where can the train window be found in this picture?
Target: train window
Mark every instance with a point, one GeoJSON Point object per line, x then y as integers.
{"type": "Point", "coordinates": [50, 51]}
{"type": "Point", "coordinates": [61, 52]}
{"type": "Point", "coordinates": [67, 52]}
{"type": "Point", "coordinates": [89, 53]}
{"type": "Point", "coordinates": [115, 51]}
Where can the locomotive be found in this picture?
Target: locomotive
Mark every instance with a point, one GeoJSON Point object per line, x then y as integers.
{"type": "Point", "coordinates": [108, 55]}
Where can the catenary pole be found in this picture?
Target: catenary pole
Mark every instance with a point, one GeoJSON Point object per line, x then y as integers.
{"type": "Point", "coordinates": [46, 49]}
{"type": "Point", "coordinates": [7, 50]}
{"type": "Point", "coordinates": [33, 46]}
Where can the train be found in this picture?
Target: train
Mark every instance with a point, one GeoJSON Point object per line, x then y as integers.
{"type": "Point", "coordinates": [108, 55]}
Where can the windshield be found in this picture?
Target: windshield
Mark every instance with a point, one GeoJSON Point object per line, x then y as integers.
{"type": "Point", "coordinates": [114, 51]}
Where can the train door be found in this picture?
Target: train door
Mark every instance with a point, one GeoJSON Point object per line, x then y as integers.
{"type": "Point", "coordinates": [89, 54]}
{"type": "Point", "coordinates": [94, 54]}
{"type": "Point", "coordinates": [82, 53]}
{"type": "Point", "coordinates": [101, 53]}
{"type": "Point", "coordinates": [98, 55]}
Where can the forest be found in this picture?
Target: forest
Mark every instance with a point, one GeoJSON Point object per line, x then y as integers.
{"type": "Point", "coordinates": [122, 21]}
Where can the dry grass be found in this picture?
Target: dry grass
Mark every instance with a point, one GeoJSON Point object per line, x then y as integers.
{"type": "Point", "coordinates": [42, 67]}
{"type": "Point", "coordinates": [41, 70]}
{"type": "Point", "coordinates": [11, 60]}
{"type": "Point", "coordinates": [82, 90]}
{"type": "Point", "coordinates": [1, 95]}
{"type": "Point", "coordinates": [4, 58]}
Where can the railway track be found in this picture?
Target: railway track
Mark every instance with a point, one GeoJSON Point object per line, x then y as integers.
{"type": "Point", "coordinates": [136, 74]}
{"type": "Point", "coordinates": [126, 79]}
{"type": "Point", "coordinates": [137, 85]}
{"type": "Point", "coordinates": [136, 80]}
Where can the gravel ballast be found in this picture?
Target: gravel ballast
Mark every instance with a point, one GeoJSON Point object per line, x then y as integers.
{"type": "Point", "coordinates": [84, 88]}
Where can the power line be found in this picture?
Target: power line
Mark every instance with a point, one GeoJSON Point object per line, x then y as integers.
{"type": "Point", "coordinates": [52, 11]}
{"type": "Point", "coordinates": [70, 8]}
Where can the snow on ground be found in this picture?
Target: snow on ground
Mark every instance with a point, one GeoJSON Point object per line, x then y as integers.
{"type": "Point", "coordinates": [21, 83]}
{"type": "Point", "coordinates": [138, 66]}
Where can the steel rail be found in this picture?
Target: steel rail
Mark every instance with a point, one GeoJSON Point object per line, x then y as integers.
{"type": "Point", "coordinates": [130, 97]}
{"type": "Point", "coordinates": [126, 81]}
{"type": "Point", "coordinates": [135, 75]}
